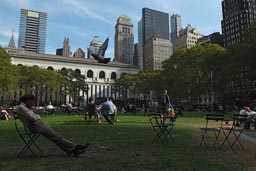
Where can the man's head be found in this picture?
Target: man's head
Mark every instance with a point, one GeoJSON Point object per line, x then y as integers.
{"type": "Point", "coordinates": [28, 99]}
{"type": "Point", "coordinates": [106, 98]}
{"type": "Point", "coordinates": [91, 100]}
{"type": "Point", "coordinates": [165, 91]}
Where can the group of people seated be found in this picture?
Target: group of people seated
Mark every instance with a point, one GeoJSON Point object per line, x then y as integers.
{"type": "Point", "coordinates": [251, 116]}
{"type": "Point", "coordinates": [130, 108]}
{"type": "Point", "coordinates": [4, 115]}
{"type": "Point", "coordinates": [107, 109]}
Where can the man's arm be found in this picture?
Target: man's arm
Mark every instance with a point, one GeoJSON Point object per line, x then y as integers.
{"type": "Point", "coordinates": [24, 112]}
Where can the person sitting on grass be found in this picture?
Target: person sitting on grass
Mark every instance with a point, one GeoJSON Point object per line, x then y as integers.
{"type": "Point", "coordinates": [107, 110]}
{"type": "Point", "coordinates": [114, 119]}
{"type": "Point", "coordinates": [50, 109]}
{"type": "Point", "coordinates": [4, 115]}
{"type": "Point", "coordinates": [250, 116]}
{"type": "Point", "coordinates": [35, 125]}
{"type": "Point", "coordinates": [91, 110]}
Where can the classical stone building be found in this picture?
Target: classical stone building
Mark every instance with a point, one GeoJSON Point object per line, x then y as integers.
{"type": "Point", "coordinates": [99, 77]}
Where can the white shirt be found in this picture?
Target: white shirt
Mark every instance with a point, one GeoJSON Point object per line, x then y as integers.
{"type": "Point", "coordinates": [49, 106]}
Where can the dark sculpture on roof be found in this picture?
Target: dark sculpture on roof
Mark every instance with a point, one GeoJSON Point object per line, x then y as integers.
{"type": "Point", "coordinates": [100, 56]}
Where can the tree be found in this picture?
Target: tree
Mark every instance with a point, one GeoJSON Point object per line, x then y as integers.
{"type": "Point", "coordinates": [190, 73]}
{"type": "Point", "coordinates": [73, 83]}
{"type": "Point", "coordinates": [8, 77]}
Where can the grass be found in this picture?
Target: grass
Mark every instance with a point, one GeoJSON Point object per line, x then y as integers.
{"type": "Point", "coordinates": [125, 146]}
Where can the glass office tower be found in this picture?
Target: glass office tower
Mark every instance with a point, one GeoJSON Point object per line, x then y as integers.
{"type": "Point", "coordinates": [32, 33]}
{"type": "Point", "coordinates": [154, 23]}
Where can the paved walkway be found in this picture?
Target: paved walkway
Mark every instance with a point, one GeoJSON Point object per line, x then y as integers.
{"type": "Point", "coordinates": [250, 135]}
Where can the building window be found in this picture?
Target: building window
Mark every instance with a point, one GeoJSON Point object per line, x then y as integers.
{"type": "Point", "coordinates": [113, 76]}
{"type": "Point", "coordinates": [102, 74]}
{"type": "Point", "coordinates": [90, 74]}
{"type": "Point", "coordinates": [77, 71]}
{"type": "Point", "coordinates": [50, 68]}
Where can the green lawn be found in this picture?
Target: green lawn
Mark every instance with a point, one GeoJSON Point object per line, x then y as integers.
{"type": "Point", "coordinates": [126, 145]}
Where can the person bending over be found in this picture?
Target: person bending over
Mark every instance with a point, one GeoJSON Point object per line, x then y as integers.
{"type": "Point", "coordinates": [35, 125]}
{"type": "Point", "coordinates": [107, 109]}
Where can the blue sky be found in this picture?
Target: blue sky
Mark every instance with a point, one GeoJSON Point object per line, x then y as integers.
{"type": "Point", "coordinates": [81, 20]}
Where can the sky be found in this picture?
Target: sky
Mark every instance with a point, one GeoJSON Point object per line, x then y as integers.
{"type": "Point", "coordinates": [81, 20]}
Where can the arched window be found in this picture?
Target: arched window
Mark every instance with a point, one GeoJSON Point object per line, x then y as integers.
{"type": "Point", "coordinates": [102, 74]}
{"type": "Point", "coordinates": [89, 74]}
{"type": "Point", "coordinates": [77, 71]}
{"type": "Point", "coordinates": [113, 76]}
{"type": "Point", "coordinates": [50, 68]}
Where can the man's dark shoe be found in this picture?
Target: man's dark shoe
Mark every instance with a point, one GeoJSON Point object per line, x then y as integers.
{"type": "Point", "coordinates": [77, 152]}
{"type": "Point", "coordinates": [82, 146]}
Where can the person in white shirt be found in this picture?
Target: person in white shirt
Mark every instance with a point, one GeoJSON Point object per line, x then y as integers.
{"type": "Point", "coordinates": [50, 109]}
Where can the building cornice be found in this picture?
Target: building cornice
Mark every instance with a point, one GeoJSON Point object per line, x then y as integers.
{"type": "Point", "coordinates": [56, 58]}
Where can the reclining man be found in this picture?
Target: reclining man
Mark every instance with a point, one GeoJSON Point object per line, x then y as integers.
{"type": "Point", "coordinates": [34, 124]}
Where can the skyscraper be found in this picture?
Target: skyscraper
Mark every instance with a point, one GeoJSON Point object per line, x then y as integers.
{"type": "Point", "coordinates": [124, 40]}
{"type": "Point", "coordinates": [140, 45]}
{"type": "Point", "coordinates": [236, 16]}
{"type": "Point", "coordinates": [32, 33]}
{"type": "Point", "coordinates": [154, 23]}
{"type": "Point", "coordinates": [176, 26]}
{"type": "Point", "coordinates": [94, 47]}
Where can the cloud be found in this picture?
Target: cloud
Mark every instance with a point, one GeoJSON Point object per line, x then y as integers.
{"type": "Point", "coordinates": [110, 53]}
{"type": "Point", "coordinates": [4, 43]}
{"type": "Point", "coordinates": [18, 3]}
{"type": "Point", "coordinates": [82, 10]}
{"type": "Point", "coordinates": [69, 29]}
{"type": "Point", "coordinates": [8, 33]}
{"type": "Point", "coordinates": [209, 29]}
{"type": "Point", "coordinates": [166, 6]}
